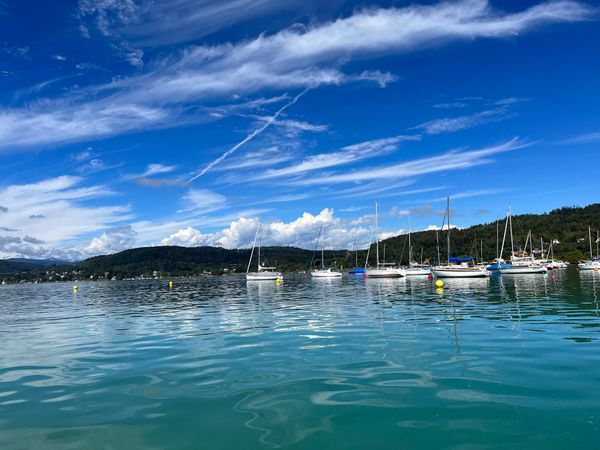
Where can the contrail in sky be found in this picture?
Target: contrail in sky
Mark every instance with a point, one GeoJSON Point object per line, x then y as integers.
{"type": "Point", "coordinates": [251, 136]}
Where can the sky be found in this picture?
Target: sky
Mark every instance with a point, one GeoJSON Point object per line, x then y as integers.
{"type": "Point", "coordinates": [127, 123]}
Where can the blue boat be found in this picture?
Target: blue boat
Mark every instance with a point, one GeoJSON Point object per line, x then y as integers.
{"type": "Point", "coordinates": [357, 271]}
{"type": "Point", "coordinates": [498, 265]}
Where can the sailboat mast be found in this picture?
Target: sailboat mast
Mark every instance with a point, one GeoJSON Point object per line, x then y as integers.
{"type": "Point", "coordinates": [497, 238]}
{"type": "Point", "coordinates": [448, 234]}
{"type": "Point", "coordinates": [590, 233]}
{"type": "Point", "coordinates": [437, 240]}
{"type": "Point", "coordinates": [481, 252]}
{"type": "Point", "coordinates": [597, 240]}
{"type": "Point", "coordinates": [409, 244]}
{"type": "Point", "coordinates": [253, 247]}
{"type": "Point", "coordinates": [512, 242]}
{"type": "Point", "coordinates": [258, 261]}
{"type": "Point", "coordinates": [503, 238]}
{"type": "Point", "coordinates": [377, 233]}
{"type": "Point", "coordinates": [355, 251]}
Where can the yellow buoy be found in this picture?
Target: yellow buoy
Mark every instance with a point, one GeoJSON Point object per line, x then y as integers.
{"type": "Point", "coordinates": [170, 284]}
{"type": "Point", "coordinates": [278, 281]}
{"type": "Point", "coordinates": [439, 283]}
{"type": "Point", "coordinates": [75, 288]}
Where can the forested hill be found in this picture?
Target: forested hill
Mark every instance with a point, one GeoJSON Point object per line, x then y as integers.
{"type": "Point", "coordinates": [194, 260]}
{"type": "Point", "coordinates": [568, 226]}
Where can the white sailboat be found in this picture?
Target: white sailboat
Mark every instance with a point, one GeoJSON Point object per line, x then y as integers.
{"type": "Point", "coordinates": [263, 273]}
{"type": "Point", "coordinates": [519, 264]}
{"type": "Point", "coordinates": [414, 268]}
{"type": "Point", "coordinates": [461, 267]}
{"type": "Point", "coordinates": [324, 271]}
{"type": "Point", "coordinates": [554, 264]}
{"type": "Point", "coordinates": [382, 269]}
{"type": "Point", "coordinates": [592, 263]}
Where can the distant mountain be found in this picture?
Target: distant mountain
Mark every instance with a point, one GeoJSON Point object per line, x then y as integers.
{"type": "Point", "coordinates": [40, 262]}
{"type": "Point", "coordinates": [20, 265]}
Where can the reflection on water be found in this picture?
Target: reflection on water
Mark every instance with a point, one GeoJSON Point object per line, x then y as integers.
{"type": "Point", "coordinates": [217, 362]}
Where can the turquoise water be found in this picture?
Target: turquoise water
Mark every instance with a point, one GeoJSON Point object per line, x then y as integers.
{"type": "Point", "coordinates": [216, 363]}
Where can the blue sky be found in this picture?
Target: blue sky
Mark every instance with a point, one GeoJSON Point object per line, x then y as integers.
{"type": "Point", "coordinates": [133, 122]}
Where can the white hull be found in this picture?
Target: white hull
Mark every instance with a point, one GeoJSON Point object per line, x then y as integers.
{"type": "Point", "coordinates": [516, 270]}
{"type": "Point", "coordinates": [384, 273]}
{"type": "Point", "coordinates": [263, 276]}
{"type": "Point", "coordinates": [416, 272]}
{"type": "Point", "coordinates": [459, 272]}
{"type": "Point", "coordinates": [325, 274]}
{"type": "Point", "coordinates": [589, 265]}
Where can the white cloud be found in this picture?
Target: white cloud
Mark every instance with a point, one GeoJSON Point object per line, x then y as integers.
{"type": "Point", "coordinates": [112, 241]}
{"type": "Point", "coordinates": [301, 232]}
{"type": "Point", "coordinates": [60, 207]}
{"type": "Point", "coordinates": [203, 201]}
{"type": "Point", "coordinates": [347, 155]}
{"type": "Point", "coordinates": [262, 158]}
{"type": "Point", "coordinates": [155, 169]}
{"type": "Point", "coordinates": [452, 160]}
{"type": "Point", "coordinates": [187, 237]}
{"type": "Point", "coordinates": [451, 105]}
{"type": "Point", "coordinates": [582, 139]}
{"type": "Point", "coordinates": [453, 124]}
{"type": "Point", "coordinates": [293, 128]}
{"type": "Point", "coordinates": [83, 155]}
{"type": "Point", "coordinates": [148, 22]}
{"type": "Point", "coordinates": [293, 58]}
{"type": "Point", "coordinates": [438, 228]}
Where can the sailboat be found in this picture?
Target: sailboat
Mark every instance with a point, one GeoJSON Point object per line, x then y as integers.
{"type": "Point", "coordinates": [414, 268]}
{"type": "Point", "coordinates": [357, 270]}
{"type": "Point", "coordinates": [382, 269]}
{"type": "Point", "coordinates": [498, 262]}
{"type": "Point", "coordinates": [553, 264]}
{"type": "Point", "coordinates": [324, 271]}
{"type": "Point", "coordinates": [592, 263]}
{"type": "Point", "coordinates": [262, 273]}
{"type": "Point", "coordinates": [460, 267]}
{"type": "Point", "coordinates": [519, 264]}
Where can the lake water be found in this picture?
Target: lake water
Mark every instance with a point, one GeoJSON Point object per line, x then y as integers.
{"type": "Point", "coordinates": [218, 363]}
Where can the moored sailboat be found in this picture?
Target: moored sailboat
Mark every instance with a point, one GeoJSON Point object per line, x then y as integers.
{"type": "Point", "coordinates": [382, 269]}
{"type": "Point", "coordinates": [457, 267]}
{"type": "Point", "coordinates": [357, 270]}
{"type": "Point", "coordinates": [263, 273]}
{"type": "Point", "coordinates": [592, 263]}
{"type": "Point", "coordinates": [519, 264]}
{"type": "Point", "coordinates": [414, 268]}
{"type": "Point", "coordinates": [324, 271]}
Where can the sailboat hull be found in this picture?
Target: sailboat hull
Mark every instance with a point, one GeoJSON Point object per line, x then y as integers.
{"type": "Point", "coordinates": [516, 270]}
{"type": "Point", "coordinates": [384, 273]}
{"type": "Point", "coordinates": [459, 272]}
{"type": "Point", "coordinates": [263, 276]}
{"type": "Point", "coordinates": [417, 272]}
{"type": "Point", "coordinates": [325, 274]}
{"type": "Point", "coordinates": [589, 265]}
